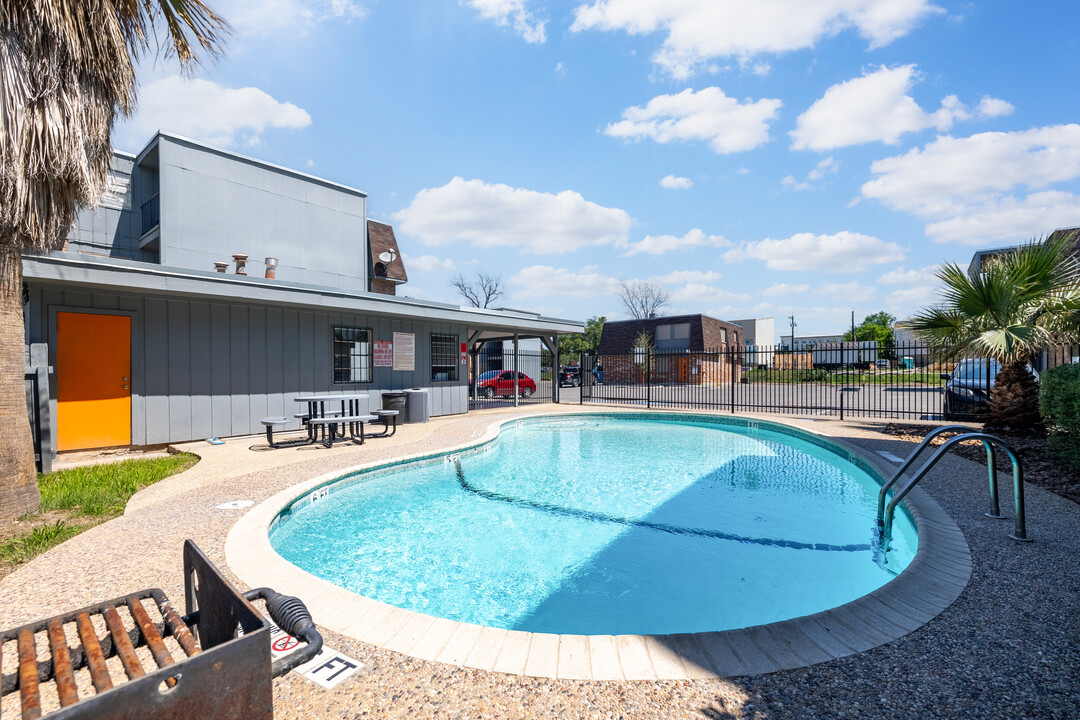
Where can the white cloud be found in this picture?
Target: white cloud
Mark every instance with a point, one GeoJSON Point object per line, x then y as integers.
{"type": "Point", "coordinates": [671, 182]}
{"type": "Point", "coordinates": [487, 215]}
{"type": "Point", "coordinates": [852, 292]}
{"type": "Point", "coordinates": [699, 31]}
{"type": "Point", "coordinates": [707, 115]}
{"type": "Point", "coordinates": [427, 263]}
{"type": "Point", "coordinates": [680, 277]}
{"type": "Point", "coordinates": [269, 17]}
{"type": "Point", "coordinates": [900, 276]}
{"type": "Point", "coordinates": [877, 107]}
{"type": "Point", "coordinates": [204, 110]}
{"type": "Point", "coordinates": [1009, 218]}
{"type": "Point", "coordinates": [971, 189]}
{"type": "Point", "coordinates": [699, 294]}
{"type": "Point", "coordinates": [545, 281]}
{"type": "Point", "coordinates": [844, 252]}
{"type": "Point", "coordinates": [513, 13]}
{"type": "Point", "coordinates": [660, 244]}
{"type": "Point", "coordinates": [826, 167]}
{"type": "Point", "coordinates": [903, 303]}
{"type": "Point", "coordinates": [784, 289]}
{"type": "Point", "coordinates": [993, 107]}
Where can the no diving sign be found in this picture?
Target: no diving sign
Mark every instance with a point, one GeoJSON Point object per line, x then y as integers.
{"type": "Point", "coordinates": [328, 668]}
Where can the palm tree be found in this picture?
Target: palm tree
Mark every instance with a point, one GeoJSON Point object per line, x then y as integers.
{"type": "Point", "coordinates": [67, 67]}
{"type": "Point", "coordinates": [1016, 306]}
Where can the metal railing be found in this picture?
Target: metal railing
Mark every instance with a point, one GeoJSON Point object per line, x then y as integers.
{"type": "Point", "coordinates": [492, 381]}
{"type": "Point", "coordinates": [886, 511]}
{"type": "Point", "coordinates": [895, 380]}
{"type": "Point", "coordinates": [151, 213]}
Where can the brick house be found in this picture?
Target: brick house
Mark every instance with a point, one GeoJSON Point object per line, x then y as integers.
{"type": "Point", "coordinates": [685, 349]}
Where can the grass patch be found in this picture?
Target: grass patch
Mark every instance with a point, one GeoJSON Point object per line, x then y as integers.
{"type": "Point", "coordinates": [95, 492]}
{"type": "Point", "coordinates": [22, 548]}
{"type": "Point", "coordinates": [102, 491]}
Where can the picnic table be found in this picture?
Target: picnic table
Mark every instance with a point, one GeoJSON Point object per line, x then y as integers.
{"type": "Point", "coordinates": [335, 424]}
{"type": "Point", "coordinates": [322, 423]}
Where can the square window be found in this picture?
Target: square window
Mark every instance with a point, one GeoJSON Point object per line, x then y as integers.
{"type": "Point", "coordinates": [352, 355]}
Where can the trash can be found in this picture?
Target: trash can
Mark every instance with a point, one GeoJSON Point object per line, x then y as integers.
{"type": "Point", "coordinates": [417, 405]}
{"type": "Point", "coordinates": [394, 401]}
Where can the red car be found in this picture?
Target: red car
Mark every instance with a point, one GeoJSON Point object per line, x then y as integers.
{"type": "Point", "coordinates": [501, 382]}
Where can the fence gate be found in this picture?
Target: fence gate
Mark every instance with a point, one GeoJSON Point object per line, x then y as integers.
{"type": "Point", "coordinates": [498, 376]}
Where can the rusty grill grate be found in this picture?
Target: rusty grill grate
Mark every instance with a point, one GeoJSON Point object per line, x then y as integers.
{"type": "Point", "coordinates": [57, 662]}
{"type": "Point", "coordinates": [136, 657]}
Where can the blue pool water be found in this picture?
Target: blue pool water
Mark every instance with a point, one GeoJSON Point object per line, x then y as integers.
{"type": "Point", "coordinates": [605, 525]}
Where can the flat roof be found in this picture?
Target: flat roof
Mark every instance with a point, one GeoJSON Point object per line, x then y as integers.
{"type": "Point", "coordinates": [238, 156]}
{"type": "Point", "coordinates": [139, 277]}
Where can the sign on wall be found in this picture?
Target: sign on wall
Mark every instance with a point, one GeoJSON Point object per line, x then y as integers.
{"type": "Point", "coordinates": [464, 354]}
{"type": "Point", "coordinates": [384, 353]}
{"type": "Point", "coordinates": [404, 351]}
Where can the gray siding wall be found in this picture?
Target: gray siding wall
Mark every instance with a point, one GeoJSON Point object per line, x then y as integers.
{"type": "Point", "coordinates": [203, 369]}
{"type": "Point", "coordinates": [214, 205]}
{"type": "Point", "coordinates": [114, 228]}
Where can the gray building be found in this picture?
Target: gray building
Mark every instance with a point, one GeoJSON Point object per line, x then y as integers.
{"type": "Point", "coordinates": [148, 342]}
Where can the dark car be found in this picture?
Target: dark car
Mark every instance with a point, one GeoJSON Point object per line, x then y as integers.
{"type": "Point", "coordinates": [967, 388]}
{"type": "Point", "coordinates": [501, 383]}
{"type": "Point", "coordinates": [570, 376]}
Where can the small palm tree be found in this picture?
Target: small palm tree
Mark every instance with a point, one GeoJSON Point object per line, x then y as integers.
{"type": "Point", "coordinates": [1015, 307]}
{"type": "Point", "coordinates": [67, 67]}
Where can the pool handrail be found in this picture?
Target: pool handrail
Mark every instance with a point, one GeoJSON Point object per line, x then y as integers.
{"type": "Point", "coordinates": [1020, 528]}
{"type": "Point", "coordinates": [883, 493]}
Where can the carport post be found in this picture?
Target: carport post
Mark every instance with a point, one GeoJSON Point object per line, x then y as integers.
{"type": "Point", "coordinates": [515, 369]}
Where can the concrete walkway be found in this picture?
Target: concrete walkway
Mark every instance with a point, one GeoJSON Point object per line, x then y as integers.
{"type": "Point", "coordinates": [1007, 648]}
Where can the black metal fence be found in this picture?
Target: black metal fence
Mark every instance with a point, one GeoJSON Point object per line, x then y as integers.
{"type": "Point", "coordinates": [492, 381]}
{"type": "Point", "coordinates": [900, 380]}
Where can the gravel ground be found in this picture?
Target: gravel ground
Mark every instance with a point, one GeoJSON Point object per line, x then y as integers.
{"type": "Point", "coordinates": [1006, 649]}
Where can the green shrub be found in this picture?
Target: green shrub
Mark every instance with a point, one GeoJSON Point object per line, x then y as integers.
{"type": "Point", "coordinates": [1059, 405]}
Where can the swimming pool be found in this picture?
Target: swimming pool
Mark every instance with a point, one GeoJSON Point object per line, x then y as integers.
{"type": "Point", "coordinates": [604, 524]}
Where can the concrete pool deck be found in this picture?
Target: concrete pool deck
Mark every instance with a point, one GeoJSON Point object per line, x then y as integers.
{"type": "Point", "coordinates": [1005, 648]}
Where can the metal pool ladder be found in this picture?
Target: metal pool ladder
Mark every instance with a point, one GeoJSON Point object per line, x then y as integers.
{"type": "Point", "coordinates": [885, 511]}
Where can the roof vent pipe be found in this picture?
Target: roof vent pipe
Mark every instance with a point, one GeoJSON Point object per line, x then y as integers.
{"type": "Point", "coordinates": [271, 268]}
{"type": "Point", "coordinates": [241, 264]}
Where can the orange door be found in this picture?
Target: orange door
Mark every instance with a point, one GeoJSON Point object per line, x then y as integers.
{"type": "Point", "coordinates": [93, 380]}
{"type": "Point", "coordinates": [683, 369]}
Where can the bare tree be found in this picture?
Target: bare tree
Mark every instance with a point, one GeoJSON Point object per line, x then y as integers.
{"type": "Point", "coordinates": [481, 291]}
{"type": "Point", "coordinates": [642, 298]}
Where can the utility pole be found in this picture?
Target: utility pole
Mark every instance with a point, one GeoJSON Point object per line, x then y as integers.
{"type": "Point", "coordinates": [853, 326]}
{"type": "Point", "coordinates": [792, 318]}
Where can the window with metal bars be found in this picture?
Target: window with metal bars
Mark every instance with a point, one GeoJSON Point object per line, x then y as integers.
{"type": "Point", "coordinates": [444, 358]}
{"type": "Point", "coordinates": [352, 355]}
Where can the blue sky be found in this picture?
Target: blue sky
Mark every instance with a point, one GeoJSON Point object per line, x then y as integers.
{"type": "Point", "coordinates": [757, 159]}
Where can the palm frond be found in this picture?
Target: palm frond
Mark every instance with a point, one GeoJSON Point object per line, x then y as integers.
{"type": "Point", "coordinates": [67, 68]}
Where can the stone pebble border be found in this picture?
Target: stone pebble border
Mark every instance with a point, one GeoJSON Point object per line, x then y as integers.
{"type": "Point", "coordinates": [932, 581]}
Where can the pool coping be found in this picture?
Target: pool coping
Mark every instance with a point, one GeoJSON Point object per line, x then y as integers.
{"type": "Point", "coordinates": [932, 581]}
